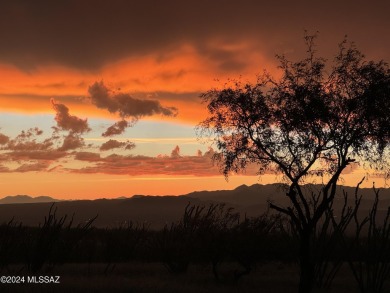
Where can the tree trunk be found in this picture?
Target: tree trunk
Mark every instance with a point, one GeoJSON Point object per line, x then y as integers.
{"type": "Point", "coordinates": [306, 264]}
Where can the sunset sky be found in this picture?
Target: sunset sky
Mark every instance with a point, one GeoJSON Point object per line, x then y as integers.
{"type": "Point", "coordinates": [101, 98]}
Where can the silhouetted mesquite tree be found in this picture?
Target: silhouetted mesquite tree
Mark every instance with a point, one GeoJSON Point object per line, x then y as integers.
{"type": "Point", "coordinates": [307, 123]}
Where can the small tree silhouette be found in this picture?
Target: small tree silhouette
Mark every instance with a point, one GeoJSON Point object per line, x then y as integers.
{"type": "Point", "coordinates": [307, 123]}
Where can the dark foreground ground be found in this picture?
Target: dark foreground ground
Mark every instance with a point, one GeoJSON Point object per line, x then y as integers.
{"type": "Point", "coordinates": [153, 277]}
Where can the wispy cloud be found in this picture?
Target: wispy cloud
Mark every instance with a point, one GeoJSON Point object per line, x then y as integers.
{"type": "Point", "coordinates": [114, 144]}
{"type": "Point", "coordinates": [174, 164]}
{"type": "Point", "coordinates": [159, 140]}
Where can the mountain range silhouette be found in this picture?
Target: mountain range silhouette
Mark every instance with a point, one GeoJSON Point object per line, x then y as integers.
{"type": "Point", "coordinates": [157, 211]}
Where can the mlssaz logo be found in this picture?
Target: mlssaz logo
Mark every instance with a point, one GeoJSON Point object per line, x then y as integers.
{"type": "Point", "coordinates": [43, 279]}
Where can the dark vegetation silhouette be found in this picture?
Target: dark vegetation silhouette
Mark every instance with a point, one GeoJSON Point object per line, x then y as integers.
{"type": "Point", "coordinates": [369, 250]}
{"type": "Point", "coordinates": [42, 247]}
{"type": "Point", "coordinates": [54, 240]}
{"type": "Point", "coordinates": [9, 235]}
{"type": "Point", "coordinates": [213, 235]}
{"type": "Point", "coordinates": [312, 122]}
{"type": "Point", "coordinates": [121, 243]}
{"type": "Point", "coordinates": [201, 234]}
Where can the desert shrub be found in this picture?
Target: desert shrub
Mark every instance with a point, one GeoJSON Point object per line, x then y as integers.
{"type": "Point", "coordinates": [369, 250]}
{"type": "Point", "coordinates": [53, 241]}
{"type": "Point", "coordinates": [10, 235]}
{"type": "Point", "coordinates": [120, 244]}
{"type": "Point", "coordinates": [254, 241]}
{"type": "Point", "coordinates": [214, 233]}
{"type": "Point", "coordinates": [201, 235]}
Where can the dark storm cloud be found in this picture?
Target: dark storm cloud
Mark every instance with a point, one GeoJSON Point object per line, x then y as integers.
{"type": "Point", "coordinates": [124, 104]}
{"type": "Point", "coordinates": [117, 128]}
{"type": "Point", "coordinates": [3, 139]}
{"type": "Point", "coordinates": [89, 34]}
{"type": "Point", "coordinates": [65, 121]}
{"type": "Point", "coordinates": [72, 141]}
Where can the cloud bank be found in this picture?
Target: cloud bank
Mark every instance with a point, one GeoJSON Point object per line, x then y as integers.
{"type": "Point", "coordinates": [91, 33]}
{"type": "Point", "coordinates": [175, 164]}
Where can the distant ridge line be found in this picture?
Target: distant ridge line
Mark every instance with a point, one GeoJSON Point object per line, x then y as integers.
{"type": "Point", "coordinates": [20, 199]}
{"type": "Point", "coordinates": [242, 194]}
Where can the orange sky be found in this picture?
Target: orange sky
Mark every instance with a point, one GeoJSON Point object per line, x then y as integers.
{"type": "Point", "coordinates": [184, 73]}
{"type": "Point", "coordinates": [160, 60]}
